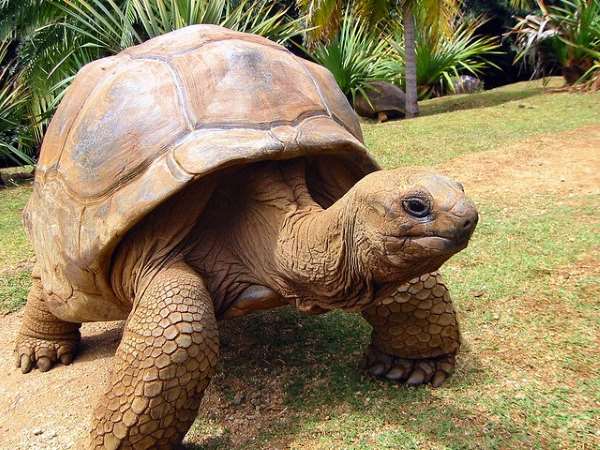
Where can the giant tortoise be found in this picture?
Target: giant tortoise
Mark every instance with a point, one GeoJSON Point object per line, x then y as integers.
{"type": "Point", "coordinates": [207, 174]}
{"type": "Point", "coordinates": [381, 101]}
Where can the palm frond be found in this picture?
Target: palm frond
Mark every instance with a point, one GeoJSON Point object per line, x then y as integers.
{"type": "Point", "coordinates": [323, 17]}
{"type": "Point", "coordinates": [567, 33]}
{"type": "Point", "coordinates": [356, 56]}
{"type": "Point", "coordinates": [263, 18]}
{"type": "Point", "coordinates": [440, 60]}
{"type": "Point", "coordinates": [100, 22]}
{"type": "Point", "coordinates": [14, 97]}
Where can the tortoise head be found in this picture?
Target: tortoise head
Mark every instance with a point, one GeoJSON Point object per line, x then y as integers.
{"type": "Point", "coordinates": [405, 226]}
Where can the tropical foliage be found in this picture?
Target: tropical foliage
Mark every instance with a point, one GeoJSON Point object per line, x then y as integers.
{"type": "Point", "coordinates": [13, 99]}
{"type": "Point", "coordinates": [360, 53]}
{"type": "Point", "coordinates": [356, 55]}
{"type": "Point", "coordinates": [438, 14]}
{"type": "Point", "coordinates": [566, 35]}
{"type": "Point", "coordinates": [442, 58]}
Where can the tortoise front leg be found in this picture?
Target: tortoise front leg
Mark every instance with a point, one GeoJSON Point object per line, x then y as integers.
{"type": "Point", "coordinates": [415, 333]}
{"type": "Point", "coordinates": [162, 366]}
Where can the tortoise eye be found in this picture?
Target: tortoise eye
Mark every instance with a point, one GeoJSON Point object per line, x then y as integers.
{"type": "Point", "coordinates": [417, 207]}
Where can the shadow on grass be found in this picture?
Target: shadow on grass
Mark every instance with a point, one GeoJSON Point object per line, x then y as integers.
{"type": "Point", "coordinates": [285, 376]}
{"type": "Point", "coordinates": [483, 99]}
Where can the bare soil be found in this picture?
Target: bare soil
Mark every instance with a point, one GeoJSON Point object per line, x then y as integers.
{"type": "Point", "coordinates": [52, 410]}
{"type": "Point", "coordinates": [561, 164]}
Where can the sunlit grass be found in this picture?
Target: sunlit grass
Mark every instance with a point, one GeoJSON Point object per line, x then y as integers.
{"type": "Point", "coordinates": [15, 250]}
{"type": "Point", "coordinates": [477, 123]}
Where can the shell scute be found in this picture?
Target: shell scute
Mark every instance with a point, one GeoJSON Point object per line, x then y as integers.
{"type": "Point", "coordinates": [133, 115]}
{"type": "Point", "coordinates": [75, 97]}
{"type": "Point", "coordinates": [243, 83]}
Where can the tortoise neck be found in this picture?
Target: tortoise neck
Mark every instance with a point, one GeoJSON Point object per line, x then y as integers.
{"type": "Point", "coordinates": [320, 261]}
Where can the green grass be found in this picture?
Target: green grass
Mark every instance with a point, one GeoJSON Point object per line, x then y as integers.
{"type": "Point", "coordinates": [478, 122]}
{"type": "Point", "coordinates": [527, 290]}
{"type": "Point", "coordinates": [15, 251]}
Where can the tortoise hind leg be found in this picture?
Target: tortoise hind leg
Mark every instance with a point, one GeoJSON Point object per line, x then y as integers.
{"type": "Point", "coordinates": [43, 338]}
{"type": "Point", "coordinates": [162, 366]}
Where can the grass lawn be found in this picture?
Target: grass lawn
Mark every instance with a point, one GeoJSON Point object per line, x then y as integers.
{"type": "Point", "coordinates": [15, 252]}
{"type": "Point", "coordinates": [478, 122]}
{"type": "Point", "coordinates": [527, 291]}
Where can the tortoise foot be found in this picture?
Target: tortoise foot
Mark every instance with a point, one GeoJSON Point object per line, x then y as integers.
{"type": "Point", "coordinates": [411, 372]}
{"type": "Point", "coordinates": [31, 352]}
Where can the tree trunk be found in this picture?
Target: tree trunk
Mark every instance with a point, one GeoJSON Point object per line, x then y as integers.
{"type": "Point", "coordinates": [410, 68]}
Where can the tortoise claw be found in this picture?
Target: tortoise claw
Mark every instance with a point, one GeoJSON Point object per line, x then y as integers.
{"type": "Point", "coordinates": [412, 372]}
{"type": "Point", "coordinates": [25, 364]}
{"type": "Point", "coordinates": [44, 364]}
{"type": "Point", "coordinates": [439, 378]}
{"type": "Point", "coordinates": [43, 354]}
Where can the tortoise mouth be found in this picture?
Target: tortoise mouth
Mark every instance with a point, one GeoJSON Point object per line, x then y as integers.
{"type": "Point", "coordinates": [424, 246]}
{"type": "Point", "coordinates": [440, 244]}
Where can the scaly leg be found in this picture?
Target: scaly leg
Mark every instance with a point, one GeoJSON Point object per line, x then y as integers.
{"type": "Point", "coordinates": [44, 339]}
{"type": "Point", "coordinates": [162, 366]}
{"type": "Point", "coordinates": [415, 333]}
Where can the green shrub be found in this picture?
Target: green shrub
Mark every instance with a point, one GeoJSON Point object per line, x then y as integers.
{"type": "Point", "coordinates": [566, 35]}
{"type": "Point", "coordinates": [442, 57]}
{"type": "Point", "coordinates": [356, 55]}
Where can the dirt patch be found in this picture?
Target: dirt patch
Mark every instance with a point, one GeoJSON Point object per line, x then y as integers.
{"type": "Point", "coordinates": [563, 164]}
{"type": "Point", "coordinates": [53, 410]}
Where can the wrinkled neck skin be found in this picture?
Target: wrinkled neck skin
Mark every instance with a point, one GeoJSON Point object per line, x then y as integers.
{"type": "Point", "coordinates": [317, 256]}
{"type": "Point", "coordinates": [268, 232]}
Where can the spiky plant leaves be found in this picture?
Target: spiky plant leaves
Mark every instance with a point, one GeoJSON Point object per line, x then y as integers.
{"type": "Point", "coordinates": [14, 97]}
{"type": "Point", "coordinates": [441, 59]}
{"type": "Point", "coordinates": [356, 56]}
{"type": "Point", "coordinates": [568, 34]}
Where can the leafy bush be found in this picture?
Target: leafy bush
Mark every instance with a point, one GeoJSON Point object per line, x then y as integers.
{"type": "Point", "coordinates": [356, 55]}
{"type": "Point", "coordinates": [13, 100]}
{"type": "Point", "coordinates": [567, 35]}
{"type": "Point", "coordinates": [443, 57]}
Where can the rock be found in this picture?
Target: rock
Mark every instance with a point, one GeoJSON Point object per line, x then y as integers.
{"type": "Point", "coordinates": [467, 84]}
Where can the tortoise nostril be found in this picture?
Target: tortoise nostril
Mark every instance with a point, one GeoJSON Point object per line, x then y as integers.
{"type": "Point", "coordinates": [467, 224]}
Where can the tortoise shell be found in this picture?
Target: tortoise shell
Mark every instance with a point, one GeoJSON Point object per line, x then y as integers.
{"type": "Point", "coordinates": [382, 97]}
{"type": "Point", "coordinates": [136, 128]}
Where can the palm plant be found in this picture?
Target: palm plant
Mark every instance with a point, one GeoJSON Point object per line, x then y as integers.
{"type": "Point", "coordinates": [13, 100]}
{"type": "Point", "coordinates": [324, 15]}
{"type": "Point", "coordinates": [323, 18]}
{"type": "Point", "coordinates": [357, 55]}
{"type": "Point", "coordinates": [441, 58]}
{"type": "Point", "coordinates": [567, 35]}
{"type": "Point", "coordinates": [114, 26]}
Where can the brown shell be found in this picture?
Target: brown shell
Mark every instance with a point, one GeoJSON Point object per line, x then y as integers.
{"type": "Point", "coordinates": [135, 128]}
{"type": "Point", "coordinates": [383, 97]}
